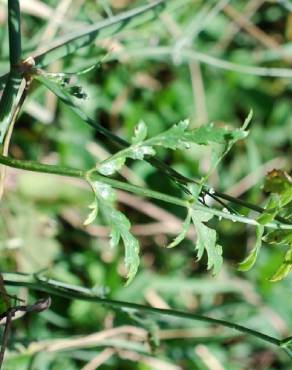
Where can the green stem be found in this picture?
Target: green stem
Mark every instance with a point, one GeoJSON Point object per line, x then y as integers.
{"type": "Point", "coordinates": [182, 180]}
{"type": "Point", "coordinates": [92, 175]}
{"type": "Point", "coordinates": [39, 167]}
{"type": "Point", "coordinates": [14, 32]}
{"type": "Point", "coordinates": [12, 93]}
{"type": "Point", "coordinates": [70, 292]}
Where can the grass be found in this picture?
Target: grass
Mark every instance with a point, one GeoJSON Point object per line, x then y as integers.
{"type": "Point", "coordinates": [159, 93]}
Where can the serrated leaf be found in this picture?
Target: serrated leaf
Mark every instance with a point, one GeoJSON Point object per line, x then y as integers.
{"type": "Point", "coordinates": [140, 133]}
{"type": "Point", "coordinates": [177, 137]}
{"type": "Point", "coordinates": [286, 197]}
{"type": "Point", "coordinates": [120, 226]}
{"type": "Point", "coordinates": [250, 260]}
{"type": "Point", "coordinates": [208, 133]}
{"type": "Point", "coordinates": [207, 241]}
{"type": "Point", "coordinates": [270, 211]}
{"type": "Point", "coordinates": [109, 167]}
{"type": "Point", "coordinates": [279, 182]}
{"type": "Point", "coordinates": [174, 138]}
{"type": "Point", "coordinates": [284, 268]}
{"type": "Point", "coordinates": [181, 236]}
{"type": "Point", "coordinates": [92, 215]}
{"type": "Point", "coordinates": [171, 139]}
{"type": "Point", "coordinates": [224, 141]}
{"type": "Point", "coordinates": [195, 190]}
{"type": "Point", "coordinates": [279, 237]}
{"type": "Point", "coordinates": [139, 152]}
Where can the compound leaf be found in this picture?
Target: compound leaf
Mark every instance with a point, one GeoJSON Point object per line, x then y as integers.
{"type": "Point", "coordinates": [181, 236]}
{"type": "Point", "coordinates": [207, 241]}
{"type": "Point", "coordinates": [119, 224]}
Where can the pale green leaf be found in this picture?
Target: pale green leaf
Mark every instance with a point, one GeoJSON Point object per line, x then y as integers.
{"type": "Point", "coordinates": [92, 215]}
{"type": "Point", "coordinates": [207, 241]}
{"type": "Point", "coordinates": [140, 133]}
{"type": "Point", "coordinates": [208, 133]}
{"type": "Point", "coordinates": [250, 260]}
{"type": "Point", "coordinates": [195, 190]}
{"type": "Point", "coordinates": [109, 167]}
{"type": "Point", "coordinates": [270, 211]}
{"type": "Point", "coordinates": [284, 268]}
{"type": "Point", "coordinates": [181, 236]}
{"type": "Point", "coordinates": [177, 137]}
{"type": "Point", "coordinates": [174, 138]}
{"type": "Point", "coordinates": [139, 152]}
{"type": "Point", "coordinates": [223, 140]}
{"type": "Point", "coordinates": [286, 196]}
{"type": "Point", "coordinates": [279, 237]}
{"type": "Point", "coordinates": [120, 226]}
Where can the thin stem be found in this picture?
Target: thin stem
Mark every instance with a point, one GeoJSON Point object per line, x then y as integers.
{"type": "Point", "coordinates": [70, 292]}
{"type": "Point", "coordinates": [5, 338]}
{"type": "Point", "coordinates": [17, 106]}
{"type": "Point", "coordinates": [180, 179]}
{"type": "Point", "coordinates": [14, 32]}
{"type": "Point", "coordinates": [39, 167]}
{"type": "Point", "coordinates": [12, 92]}
{"type": "Point", "coordinates": [246, 204]}
{"type": "Point", "coordinates": [92, 175]}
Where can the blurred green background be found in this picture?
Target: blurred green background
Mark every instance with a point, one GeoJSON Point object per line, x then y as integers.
{"type": "Point", "coordinates": [156, 72]}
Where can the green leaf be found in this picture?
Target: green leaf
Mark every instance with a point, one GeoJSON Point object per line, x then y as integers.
{"type": "Point", "coordinates": [181, 236]}
{"type": "Point", "coordinates": [208, 133]}
{"type": "Point", "coordinates": [174, 138]}
{"type": "Point", "coordinates": [271, 210]}
{"type": "Point", "coordinates": [109, 167]}
{"type": "Point", "coordinates": [279, 237]}
{"type": "Point", "coordinates": [177, 137]}
{"type": "Point", "coordinates": [225, 141]}
{"type": "Point", "coordinates": [92, 215]}
{"type": "Point", "coordinates": [250, 260]}
{"type": "Point", "coordinates": [286, 196]}
{"type": "Point", "coordinates": [119, 224]}
{"type": "Point", "coordinates": [279, 182]}
{"type": "Point", "coordinates": [140, 133]}
{"type": "Point", "coordinates": [284, 268]}
{"type": "Point", "coordinates": [207, 241]}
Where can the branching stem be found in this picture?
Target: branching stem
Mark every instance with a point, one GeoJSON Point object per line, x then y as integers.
{"type": "Point", "coordinates": [93, 175]}
{"type": "Point", "coordinates": [71, 292]}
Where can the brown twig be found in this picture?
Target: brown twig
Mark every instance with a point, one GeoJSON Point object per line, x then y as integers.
{"type": "Point", "coordinates": [259, 35]}
{"type": "Point", "coordinates": [250, 8]}
{"type": "Point", "coordinates": [7, 316]}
